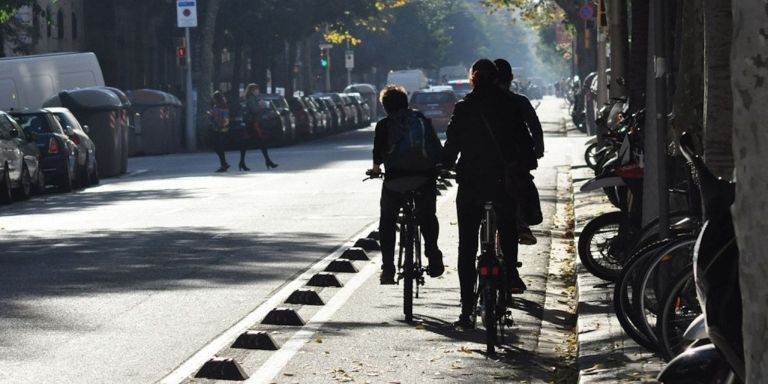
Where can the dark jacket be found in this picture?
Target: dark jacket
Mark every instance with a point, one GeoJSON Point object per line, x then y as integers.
{"type": "Point", "coordinates": [383, 141]}
{"type": "Point", "coordinates": [467, 135]}
{"type": "Point", "coordinates": [531, 120]}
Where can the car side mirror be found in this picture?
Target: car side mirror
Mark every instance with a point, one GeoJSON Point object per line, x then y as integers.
{"type": "Point", "coordinates": [69, 131]}
{"type": "Point", "coordinates": [86, 129]}
{"type": "Point", "coordinates": [14, 133]}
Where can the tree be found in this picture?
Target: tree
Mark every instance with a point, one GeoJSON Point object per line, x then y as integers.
{"type": "Point", "coordinates": [205, 74]}
{"type": "Point", "coordinates": [718, 100]}
{"type": "Point", "coordinates": [749, 71]}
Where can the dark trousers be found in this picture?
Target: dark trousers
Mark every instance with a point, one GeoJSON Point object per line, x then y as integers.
{"type": "Point", "coordinates": [219, 141]}
{"type": "Point", "coordinates": [469, 207]}
{"type": "Point", "coordinates": [391, 202]}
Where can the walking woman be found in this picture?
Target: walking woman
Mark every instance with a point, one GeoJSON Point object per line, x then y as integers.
{"type": "Point", "coordinates": [219, 128]}
{"type": "Point", "coordinates": [253, 126]}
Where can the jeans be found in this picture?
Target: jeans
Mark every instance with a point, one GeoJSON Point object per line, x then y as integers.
{"type": "Point", "coordinates": [391, 202]}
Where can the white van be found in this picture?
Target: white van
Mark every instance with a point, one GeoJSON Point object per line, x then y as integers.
{"type": "Point", "coordinates": [27, 81]}
{"type": "Point", "coordinates": [411, 79]}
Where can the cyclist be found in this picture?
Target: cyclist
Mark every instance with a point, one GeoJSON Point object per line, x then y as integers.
{"type": "Point", "coordinates": [533, 126]}
{"type": "Point", "coordinates": [483, 129]}
{"type": "Point", "coordinates": [406, 143]}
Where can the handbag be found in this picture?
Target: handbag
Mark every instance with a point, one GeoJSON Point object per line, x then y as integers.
{"type": "Point", "coordinates": [518, 182]}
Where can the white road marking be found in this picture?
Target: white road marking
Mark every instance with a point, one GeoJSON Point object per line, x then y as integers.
{"type": "Point", "coordinates": [283, 356]}
{"type": "Point", "coordinates": [194, 363]}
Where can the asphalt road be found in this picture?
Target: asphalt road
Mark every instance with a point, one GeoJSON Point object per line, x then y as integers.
{"type": "Point", "coordinates": [125, 281]}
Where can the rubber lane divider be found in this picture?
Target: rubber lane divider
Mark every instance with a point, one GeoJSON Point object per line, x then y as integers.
{"type": "Point", "coordinates": [324, 280]}
{"type": "Point", "coordinates": [356, 254]}
{"type": "Point", "coordinates": [256, 340]}
{"type": "Point", "coordinates": [368, 244]}
{"type": "Point", "coordinates": [196, 360]}
{"type": "Point", "coordinates": [341, 266]}
{"type": "Point", "coordinates": [305, 297]}
{"type": "Point", "coordinates": [283, 316]}
{"type": "Point", "coordinates": [219, 368]}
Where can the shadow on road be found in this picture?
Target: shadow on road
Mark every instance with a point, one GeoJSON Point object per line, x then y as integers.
{"type": "Point", "coordinates": [99, 264]}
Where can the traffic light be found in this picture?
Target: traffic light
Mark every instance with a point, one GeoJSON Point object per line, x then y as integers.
{"type": "Point", "coordinates": [181, 54]}
{"type": "Point", "coordinates": [323, 58]}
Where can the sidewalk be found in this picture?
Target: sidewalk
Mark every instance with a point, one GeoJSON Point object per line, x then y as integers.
{"type": "Point", "coordinates": [606, 354]}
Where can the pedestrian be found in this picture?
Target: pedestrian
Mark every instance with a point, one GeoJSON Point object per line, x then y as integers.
{"type": "Point", "coordinates": [407, 144]}
{"type": "Point", "coordinates": [219, 127]}
{"type": "Point", "coordinates": [533, 127]}
{"type": "Point", "coordinates": [254, 131]}
{"type": "Point", "coordinates": [483, 131]}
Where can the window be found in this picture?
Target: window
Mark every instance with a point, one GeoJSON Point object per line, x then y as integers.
{"type": "Point", "coordinates": [60, 24]}
{"type": "Point", "coordinates": [74, 26]}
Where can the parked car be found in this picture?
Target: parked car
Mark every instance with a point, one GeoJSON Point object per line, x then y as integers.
{"type": "Point", "coordinates": [345, 111]}
{"type": "Point", "coordinates": [271, 122]}
{"type": "Point", "coordinates": [334, 114]}
{"type": "Point", "coordinates": [365, 108]}
{"type": "Point", "coordinates": [321, 115]}
{"type": "Point", "coordinates": [436, 105]}
{"type": "Point", "coordinates": [58, 154]}
{"type": "Point", "coordinates": [284, 110]}
{"type": "Point", "coordinates": [305, 120]}
{"type": "Point", "coordinates": [88, 171]}
{"type": "Point", "coordinates": [353, 109]}
{"type": "Point", "coordinates": [19, 162]}
{"type": "Point", "coordinates": [460, 87]}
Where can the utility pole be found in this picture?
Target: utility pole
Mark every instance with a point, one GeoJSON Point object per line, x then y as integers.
{"type": "Point", "coordinates": [602, 62]}
{"type": "Point", "coordinates": [186, 17]}
{"type": "Point", "coordinates": [617, 19]}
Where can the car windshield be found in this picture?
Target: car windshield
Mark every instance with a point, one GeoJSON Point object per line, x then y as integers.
{"type": "Point", "coordinates": [66, 120]}
{"type": "Point", "coordinates": [432, 98]}
{"type": "Point", "coordinates": [35, 123]}
{"type": "Point", "coordinates": [461, 88]}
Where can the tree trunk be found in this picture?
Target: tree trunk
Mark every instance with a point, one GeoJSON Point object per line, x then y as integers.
{"type": "Point", "coordinates": [290, 64]}
{"type": "Point", "coordinates": [718, 100]}
{"type": "Point", "coordinates": [749, 71]}
{"type": "Point", "coordinates": [309, 78]}
{"type": "Point", "coordinates": [204, 78]}
{"type": "Point", "coordinates": [638, 62]}
{"type": "Point", "coordinates": [586, 46]}
{"type": "Point", "coordinates": [617, 20]}
{"type": "Point", "coordinates": [237, 73]}
{"type": "Point", "coordinates": [689, 90]}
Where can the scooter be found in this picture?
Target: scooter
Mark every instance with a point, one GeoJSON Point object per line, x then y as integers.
{"type": "Point", "coordinates": [716, 264]}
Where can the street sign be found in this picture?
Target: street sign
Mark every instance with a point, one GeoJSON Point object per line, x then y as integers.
{"type": "Point", "coordinates": [349, 59]}
{"type": "Point", "coordinates": [325, 46]}
{"type": "Point", "coordinates": [586, 12]}
{"type": "Point", "coordinates": [186, 13]}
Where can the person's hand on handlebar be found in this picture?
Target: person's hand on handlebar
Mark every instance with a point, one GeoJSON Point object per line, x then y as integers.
{"type": "Point", "coordinates": [374, 172]}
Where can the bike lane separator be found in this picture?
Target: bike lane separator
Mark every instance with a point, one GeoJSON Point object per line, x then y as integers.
{"type": "Point", "coordinates": [191, 365]}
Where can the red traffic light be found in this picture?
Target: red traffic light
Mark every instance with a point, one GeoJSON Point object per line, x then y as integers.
{"type": "Point", "coordinates": [181, 51]}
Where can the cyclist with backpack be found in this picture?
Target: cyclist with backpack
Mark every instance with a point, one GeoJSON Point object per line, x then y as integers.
{"type": "Point", "coordinates": [484, 129]}
{"type": "Point", "coordinates": [406, 144]}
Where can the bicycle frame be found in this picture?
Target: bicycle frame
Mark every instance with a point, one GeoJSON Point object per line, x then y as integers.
{"type": "Point", "coordinates": [409, 264]}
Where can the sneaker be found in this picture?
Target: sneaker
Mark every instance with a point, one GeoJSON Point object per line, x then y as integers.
{"type": "Point", "coordinates": [516, 284]}
{"type": "Point", "coordinates": [436, 267]}
{"type": "Point", "coordinates": [465, 322]}
{"type": "Point", "coordinates": [525, 236]}
{"type": "Point", "coordinates": [387, 276]}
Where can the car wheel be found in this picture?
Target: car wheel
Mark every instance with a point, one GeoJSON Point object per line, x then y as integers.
{"type": "Point", "coordinates": [85, 176]}
{"type": "Point", "coordinates": [5, 189]}
{"type": "Point", "coordinates": [25, 184]}
{"type": "Point", "coordinates": [40, 187]}
{"type": "Point", "coordinates": [65, 180]}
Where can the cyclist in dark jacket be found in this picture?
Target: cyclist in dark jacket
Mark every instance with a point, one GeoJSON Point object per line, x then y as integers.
{"type": "Point", "coordinates": [395, 102]}
{"type": "Point", "coordinates": [532, 126]}
{"type": "Point", "coordinates": [480, 173]}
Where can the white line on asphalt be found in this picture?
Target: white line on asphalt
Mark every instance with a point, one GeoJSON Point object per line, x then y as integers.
{"type": "Point", "coordinates": [194, 363]}
{"type": "Point", "coordinates": [282, 357]}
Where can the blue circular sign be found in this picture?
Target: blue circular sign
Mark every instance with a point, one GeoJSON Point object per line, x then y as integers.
{"type": "Point", "coordinates": [586, 12]}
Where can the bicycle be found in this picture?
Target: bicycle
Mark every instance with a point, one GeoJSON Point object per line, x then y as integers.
{"type": "Point", "coordinates": [410, 269]}
{"type": "Point", "coordinates": [491, 283]}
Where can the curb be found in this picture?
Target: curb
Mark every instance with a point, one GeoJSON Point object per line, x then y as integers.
{"type": "Point", "coordinates": [605, 353]}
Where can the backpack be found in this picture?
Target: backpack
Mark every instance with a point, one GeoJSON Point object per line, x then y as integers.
{"type": "Point", "coordinates": [410, 147]}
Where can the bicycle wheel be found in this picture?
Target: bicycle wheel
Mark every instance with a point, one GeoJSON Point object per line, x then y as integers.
{"type": "Point", "coordinates": [629, 280]}
{"type": "Point", "coordinates": [656, 281]}
{"type": "Point", "coordinates": [680, 308]}
{"type": "Point", "coordinates": [598, 246]}
{"type": "Point", "coordinates": [589, 156]}
{"type": "Point", "coordinates": [489, 317]}
{"type": "Point", "coordinates": [408, 274]}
